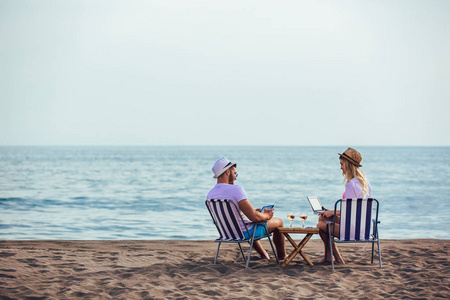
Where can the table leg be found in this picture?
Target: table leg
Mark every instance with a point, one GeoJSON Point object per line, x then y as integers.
{"type": "Point", "coordinates": [303, 243]}
{"type": "Point", "coordinates": [291, 240]}
{"type": "Point", "coordinates": [298, 249]}
{"type": "Point", "coordinates": [292, 254]}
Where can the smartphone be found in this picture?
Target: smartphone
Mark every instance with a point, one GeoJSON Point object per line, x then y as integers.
{"type": "Point", "coordinates": [267, 206]}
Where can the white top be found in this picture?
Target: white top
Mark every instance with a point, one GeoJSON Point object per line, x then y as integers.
{"type": "Point", "coordinates": [235, 193]}
{"type": "Point", "coordinates": [353, 189]}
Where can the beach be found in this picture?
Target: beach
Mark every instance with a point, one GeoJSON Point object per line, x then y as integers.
{"type": "Point", "coordinates": [184, 269]}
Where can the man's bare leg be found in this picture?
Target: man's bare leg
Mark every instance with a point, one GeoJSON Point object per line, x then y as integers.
{"type": "Point", "coordinates": [278, 237]}
{"type": "Point", "coordinates": [259, 248]}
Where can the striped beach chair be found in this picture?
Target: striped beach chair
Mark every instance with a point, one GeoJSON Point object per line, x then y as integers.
{"type": "Point", "coordinates": [358, 224]}
{"type": "Point", "coordinates": [225, 215]}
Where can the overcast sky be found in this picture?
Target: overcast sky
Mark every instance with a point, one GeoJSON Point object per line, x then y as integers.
{"type": "Point", "coordinates": [224, 72]}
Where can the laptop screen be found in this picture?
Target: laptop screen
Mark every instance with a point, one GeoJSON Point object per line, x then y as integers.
{"type": "Point", "coordinates": [315, 203]}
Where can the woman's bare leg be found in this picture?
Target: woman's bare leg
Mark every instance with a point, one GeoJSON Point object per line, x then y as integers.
{"type": "Point", "coordinates": [336, 253]}
{"type": "Point", "coordinates": [323, 233]}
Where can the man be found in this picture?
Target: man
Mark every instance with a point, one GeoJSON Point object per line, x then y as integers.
{"type": "Point", "coordinates": [225, 173]}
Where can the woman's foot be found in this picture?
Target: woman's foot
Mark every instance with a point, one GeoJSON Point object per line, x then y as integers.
{"type": "Point", "coordinates": [337, 257]}
{"type": "Point", "coordinates": [339, 260]}
{"type": "Point", "coordinates": [325, 260]}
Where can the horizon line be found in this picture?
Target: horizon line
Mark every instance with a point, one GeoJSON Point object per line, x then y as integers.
{"type": "Point", "coordinates": [205, 145]}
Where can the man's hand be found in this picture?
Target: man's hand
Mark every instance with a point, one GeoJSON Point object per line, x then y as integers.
{"type": "Point", "coordinates": [253, 214]}
{"type": "Point", "coordinates": [269, 212]}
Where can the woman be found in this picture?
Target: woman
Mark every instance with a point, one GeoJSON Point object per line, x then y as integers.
{"type": "Point", "coordinates": [356, 186]}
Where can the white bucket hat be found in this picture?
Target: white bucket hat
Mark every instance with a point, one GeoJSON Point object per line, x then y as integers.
{"type": "Point", "coordinates": [221, 166]}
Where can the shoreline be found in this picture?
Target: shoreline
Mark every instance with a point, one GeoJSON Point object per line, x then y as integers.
{"type": "Point", "coordinates": [184, 269]}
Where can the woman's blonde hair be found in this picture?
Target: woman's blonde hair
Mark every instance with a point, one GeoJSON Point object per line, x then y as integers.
{"type": "Point", "coordinates": [352, 171]}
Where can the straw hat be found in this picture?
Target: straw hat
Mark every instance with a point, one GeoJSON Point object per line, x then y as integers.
{"type": "Point", "coordinates": [221, 166]}
{"type": "Point", "coordinates": [352, 156]}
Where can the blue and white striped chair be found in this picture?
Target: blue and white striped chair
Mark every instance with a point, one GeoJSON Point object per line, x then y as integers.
{"type": "Point", "coordinates": [355, 224]}
{"type": "Point", "coordinates": [225, 215]}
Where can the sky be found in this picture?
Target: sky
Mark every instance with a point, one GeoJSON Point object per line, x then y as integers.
{"type": "Point", "coordinates": [224, 72]}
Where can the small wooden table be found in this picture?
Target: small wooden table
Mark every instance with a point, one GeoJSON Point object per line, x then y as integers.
{"type": "Point", "coordinates": [297, 248]}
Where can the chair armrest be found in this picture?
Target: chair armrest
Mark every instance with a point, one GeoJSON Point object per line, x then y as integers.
{"type": "Point", "coordinates": [257, 223]}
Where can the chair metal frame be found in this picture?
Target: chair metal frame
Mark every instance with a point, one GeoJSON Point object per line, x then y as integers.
{"type": "Point", "coordinates": [373, 238]}
{"type": "Point", "coordinates": [232, 212]}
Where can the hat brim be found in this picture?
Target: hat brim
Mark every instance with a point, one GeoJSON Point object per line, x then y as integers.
{"type": "Point", "coordinates": [223, 170]}
{"type": "Point", "coordinates": [349, 159]}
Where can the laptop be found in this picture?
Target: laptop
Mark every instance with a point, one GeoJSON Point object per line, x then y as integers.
{"type": "Point", "coordinates": [315, 204]}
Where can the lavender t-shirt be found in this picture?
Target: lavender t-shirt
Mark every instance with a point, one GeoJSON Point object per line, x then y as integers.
{"type": "Point", "coordinates": [353, 189]}
{"type": "Point", "coordinates": [232, 192]}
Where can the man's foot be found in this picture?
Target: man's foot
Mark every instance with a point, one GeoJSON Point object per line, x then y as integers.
{"type": "Point", "coordinates": [283, 258]}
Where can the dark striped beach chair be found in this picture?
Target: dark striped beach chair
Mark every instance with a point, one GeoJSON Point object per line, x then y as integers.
{"type": "Point", "coordinates": [225, 215]}
{"type": "Point", "coordinates": [358, 224]}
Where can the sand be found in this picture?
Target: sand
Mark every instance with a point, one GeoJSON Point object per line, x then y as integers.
{"type": "Point", "coordinates": [176, 269]}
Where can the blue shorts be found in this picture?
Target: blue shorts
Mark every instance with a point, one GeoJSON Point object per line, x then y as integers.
{"type": "Point", "coordinates": [260, 231]}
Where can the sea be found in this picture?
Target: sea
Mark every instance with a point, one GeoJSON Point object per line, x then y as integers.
{"type": "Point", "coordinates": [159, 192]}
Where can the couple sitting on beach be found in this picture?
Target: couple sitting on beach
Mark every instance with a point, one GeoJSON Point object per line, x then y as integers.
{"type": "Point", "coordinates": [356, 186]}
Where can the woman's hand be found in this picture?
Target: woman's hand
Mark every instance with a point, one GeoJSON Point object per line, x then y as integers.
{"type": "Point", "coordinates": [327, 214]}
